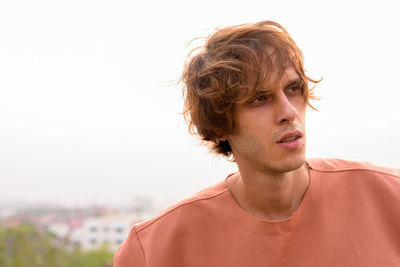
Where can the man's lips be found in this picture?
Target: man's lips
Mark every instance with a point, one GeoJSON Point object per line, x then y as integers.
{"type": "Point", "coordinates": [290, 137]}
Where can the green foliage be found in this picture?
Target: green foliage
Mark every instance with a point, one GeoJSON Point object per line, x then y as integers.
{"type": "Point", "coordinates": [26, 246]}
{"type": "Point", "coordinates": [94, 258]}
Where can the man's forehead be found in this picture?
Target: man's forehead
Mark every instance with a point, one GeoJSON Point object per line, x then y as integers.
{"type": "Point", "coordinates": [289, 75]}
{"type": "Point", "coordinates": [271, 64]}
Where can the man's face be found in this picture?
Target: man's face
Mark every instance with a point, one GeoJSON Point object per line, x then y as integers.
{"type": "Point", "coordinates": [270, 129]}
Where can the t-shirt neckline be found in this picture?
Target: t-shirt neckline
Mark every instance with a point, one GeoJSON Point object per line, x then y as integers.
{"type": "Point", "coordinates": [304, 212]}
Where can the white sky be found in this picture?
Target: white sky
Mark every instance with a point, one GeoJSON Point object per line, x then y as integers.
{"type": "Point", "coordinates": [88, 114]}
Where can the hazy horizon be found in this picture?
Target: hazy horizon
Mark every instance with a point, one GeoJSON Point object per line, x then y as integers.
{"type": "Point", "coordinates": [89, 114]}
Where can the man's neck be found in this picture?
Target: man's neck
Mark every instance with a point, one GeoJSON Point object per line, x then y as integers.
{"type": "Point", "coordinates": [270, 196]}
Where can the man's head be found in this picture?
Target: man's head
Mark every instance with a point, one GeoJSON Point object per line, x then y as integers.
{"type": "Point", "coordinates": [236, 65]}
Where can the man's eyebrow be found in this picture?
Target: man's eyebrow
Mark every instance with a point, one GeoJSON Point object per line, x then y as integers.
{"type": "Point", "coordinates": [295, 81]}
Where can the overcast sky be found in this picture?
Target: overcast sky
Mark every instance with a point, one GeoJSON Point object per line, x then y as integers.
{"type": "Point", "coordinates": [89, 112]}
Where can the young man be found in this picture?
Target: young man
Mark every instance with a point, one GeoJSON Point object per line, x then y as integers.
{"type": "Point", "coordinates": [246, 95]}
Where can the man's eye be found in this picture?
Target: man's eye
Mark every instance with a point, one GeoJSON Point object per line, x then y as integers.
{"type": "Point", "coordinates": [259, 99]}
{"type": "Point", "coordinates": [293, 90]}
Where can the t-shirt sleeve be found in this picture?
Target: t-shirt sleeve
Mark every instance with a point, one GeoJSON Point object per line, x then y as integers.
{"type": "Point", "coordinates": [130, 253]}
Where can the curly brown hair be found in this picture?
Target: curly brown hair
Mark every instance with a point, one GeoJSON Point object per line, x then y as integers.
{"type": "Point", "coordinates": [234, 65]}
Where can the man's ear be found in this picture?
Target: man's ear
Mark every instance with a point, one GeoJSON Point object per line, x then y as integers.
{"type": "Point", "coordinates": [223, 138]}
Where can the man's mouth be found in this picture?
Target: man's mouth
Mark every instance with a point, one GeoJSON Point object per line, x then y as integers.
{"type": "Point", "coordinates": [291, 136]}
{"type": "Point", "coordinates": [289, 139]}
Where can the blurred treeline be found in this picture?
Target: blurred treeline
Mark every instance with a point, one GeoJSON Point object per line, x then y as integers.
{"type": "Point", "coordinates": [26, 246]}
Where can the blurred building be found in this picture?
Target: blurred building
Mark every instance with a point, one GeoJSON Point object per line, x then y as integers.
{"type": "Point", "coordinates": [87, 228]}
{"type": "Point", "coordinates": [107, 230]}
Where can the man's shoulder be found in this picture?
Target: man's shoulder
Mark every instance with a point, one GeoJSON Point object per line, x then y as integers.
{"type": "Point", "coordinates": [184, 209]}
{"type": "Point", "coordinates": [174, 225]}
{"type": "Point", "coordinates": [341, 165]}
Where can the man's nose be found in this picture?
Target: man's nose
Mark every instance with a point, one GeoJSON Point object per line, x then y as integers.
{"type": "Point", "coordinates": [285, 111]}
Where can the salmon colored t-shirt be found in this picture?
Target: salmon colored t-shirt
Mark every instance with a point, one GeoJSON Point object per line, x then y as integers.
{"type": "Point", "coordinates": [350, 216]}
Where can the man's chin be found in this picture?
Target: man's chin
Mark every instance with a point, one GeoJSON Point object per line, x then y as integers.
{"type": "Point", "coordinates": [289, 164]}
